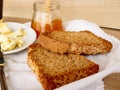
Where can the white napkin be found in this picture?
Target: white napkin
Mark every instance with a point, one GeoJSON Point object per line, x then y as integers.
{"type": "Point", "coordinates": [18, 74]}
{"type": "Point", "coordinates": [20, 77]}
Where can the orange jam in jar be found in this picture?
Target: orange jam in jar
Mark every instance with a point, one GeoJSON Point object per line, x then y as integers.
{"type": "Point", "coordinates": [57, 24]}
{"type": "Point", "coordinates": [46, 18]}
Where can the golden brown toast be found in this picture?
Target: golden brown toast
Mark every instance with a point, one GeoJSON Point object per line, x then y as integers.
{"type": "Point", "coordinates": [83, 42]}
{"type": "Point", "coordinates": [54, 70]}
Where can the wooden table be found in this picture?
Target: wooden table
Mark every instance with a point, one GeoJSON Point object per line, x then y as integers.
{"type": "Point", "coordinates": [112, 81]}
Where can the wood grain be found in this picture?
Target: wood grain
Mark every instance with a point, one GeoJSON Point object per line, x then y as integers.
{"type": "Point", "coordinates": [105, 13]}
{"type": "Point", "coordinates": [110, 82]}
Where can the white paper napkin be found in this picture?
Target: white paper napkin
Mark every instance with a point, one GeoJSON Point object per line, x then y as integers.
{"type": "Point", "coordinates": [20, 76]}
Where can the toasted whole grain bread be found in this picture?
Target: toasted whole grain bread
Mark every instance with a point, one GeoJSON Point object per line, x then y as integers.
{"type": "Point", "coordinates": [54, 70]}
{"type": "Point", "coordinates": [83, 42]}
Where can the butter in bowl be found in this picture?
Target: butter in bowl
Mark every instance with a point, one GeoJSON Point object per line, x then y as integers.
{"type": "Point", "coordinates": [15, 37]}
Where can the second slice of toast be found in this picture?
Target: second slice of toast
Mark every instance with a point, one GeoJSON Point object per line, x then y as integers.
{"type": "Point", "coordinates": [83, 42]}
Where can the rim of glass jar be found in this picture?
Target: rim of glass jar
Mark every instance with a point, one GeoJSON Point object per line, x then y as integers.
{"type": "Point", "coordinates": [40, 5]}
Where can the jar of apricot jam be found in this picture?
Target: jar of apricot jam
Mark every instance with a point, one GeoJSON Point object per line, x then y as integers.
{"type": "Point", "coordinates": [46, 16]}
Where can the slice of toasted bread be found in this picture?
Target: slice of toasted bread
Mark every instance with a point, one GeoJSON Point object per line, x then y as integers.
{"type": "Point", "coordinates": [54, 70]}
{"type": "Point", "coordinates": [83, 42]}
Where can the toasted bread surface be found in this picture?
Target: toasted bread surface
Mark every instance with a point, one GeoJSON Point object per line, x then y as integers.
{"type": "Point", "coordinates": [83, 42]}
{"type": "Point", "coordinates": [54, 70]}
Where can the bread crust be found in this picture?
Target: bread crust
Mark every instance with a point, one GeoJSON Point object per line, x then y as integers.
{"type": "Point", "coordinates": [88, 43]}
{"type": "Point", "coordinates": [53, 45]}
{"type": "Point", "coordinates": [59, 72]}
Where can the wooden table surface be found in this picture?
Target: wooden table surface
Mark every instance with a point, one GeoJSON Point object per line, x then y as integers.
{"type": "Point", "coordinates": [112, 81]}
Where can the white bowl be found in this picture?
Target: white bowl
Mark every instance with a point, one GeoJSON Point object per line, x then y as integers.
{"type": "Point", "coordinates": [28, 39]}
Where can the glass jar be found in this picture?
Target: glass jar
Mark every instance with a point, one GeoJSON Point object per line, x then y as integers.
{"type": "Point", "coordinates": [46, 18]}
